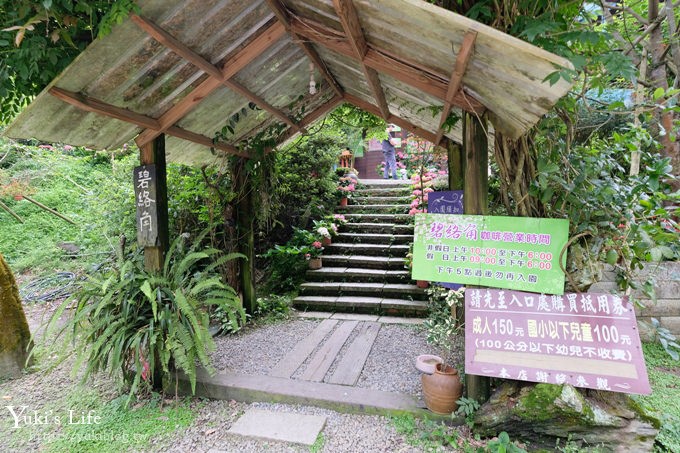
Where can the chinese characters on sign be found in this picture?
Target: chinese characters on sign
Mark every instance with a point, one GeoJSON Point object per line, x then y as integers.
{"type": "Point", "coordinates": [501, 252]}
{"type": "Point", "coordinates": [147, 211]}
{"type": "Point", "coordinates": [586, 340]}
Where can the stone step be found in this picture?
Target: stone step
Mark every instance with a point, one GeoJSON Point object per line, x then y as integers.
{"type": "Point", "coordinates": [378, 228]}
{"type": "Point", "coordinates": [358, 274]}
{"type": "Point", "coordinates": [380, 218]}
{"type": "Point", "coordinates": [374, 208]}
{"type": "Point", "coordinates": [384, 290]}
{"type": "Point", "coordinates": [369, 262]}
{"type": "Point", "coordinates": [374, 238]}
{"type": "Point", "coordinates": [381, 200]}
{"type": "Point", "coordinates": [381, 250]}
{"type": "Point", "coordinates": [396, 307]}
{"type": "Point", "coordinates": [386, 183]}
{"type": "Point", "coordinates": [383, 192]}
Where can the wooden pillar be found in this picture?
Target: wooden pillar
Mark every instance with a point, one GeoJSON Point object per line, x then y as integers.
{"type": "Point", "coordinates": [455, 163]}
{"type": "Point", "coordinates": [476, 201]}
{"type": "Point", "coordinates": [154, 153]}
{"type": "Point", "coordinates": [245, 231]}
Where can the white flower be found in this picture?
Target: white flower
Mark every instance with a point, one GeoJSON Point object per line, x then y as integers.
{"type": "Point", "coordinates": [323, 231]}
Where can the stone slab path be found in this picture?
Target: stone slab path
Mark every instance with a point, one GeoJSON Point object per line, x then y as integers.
{"type": "Point", "coordinates": [281, 426]}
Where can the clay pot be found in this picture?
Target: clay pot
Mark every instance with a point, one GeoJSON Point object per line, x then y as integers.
{"type": "Point", "coordinates": [343, 201]}
{"type": "Point", "coordinates": [422, 283]}
{"type": "Point", "coordinates": [18, 197]}
{"type": "Point", "coordinates": [442, 389]}
{"type": "Point", "coordinates": [315, 263]}
{"type": "Point", "coordinates": [326, 241]}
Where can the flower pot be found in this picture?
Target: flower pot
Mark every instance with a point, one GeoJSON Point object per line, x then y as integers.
{"type": "Point", "coordinates": [426, 363]}
{"type": "Point", "coordinates": [442, 389]}
{"type": "Point", "coordinates": [315, 263]}
{"type": "Point", "coordinates": [422, 283]}
{"type": "Point", "coordinates": [18, 197]}
{"type": "Point", "coordinates": [343, 201]}
{"type": "Point", "coordinates": [326, 242]}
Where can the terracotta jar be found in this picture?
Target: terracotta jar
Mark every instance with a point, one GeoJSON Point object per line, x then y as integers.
{"type": "Point", "coordinates": [343, 201]}
{"type": "Point", "coordinates": [442, 389]}
{"type": "Point", "coordinates": [315, 263]}
{"type": "Point", "coordinates": [422, 283]}
{"type": "Point", "coordinates": [326, 241]}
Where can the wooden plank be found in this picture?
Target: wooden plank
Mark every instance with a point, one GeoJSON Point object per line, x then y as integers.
{"type": "Point", "coordinates": [313, 116]}
{"type": "Point", "coordinates": [456, 81]}
{"type": "Point", "coordinates": [243, 91]}
{"type": "Point", "coordinates": [408, 72]}
{"type": "Point", "coordinates": [205, 141]}
{"type": "Point", "coordinates": [96, 106]}
{"type": "Point", "coordinates": [349, 18]}
{"type": "Point", "coordinates": [297, 356]}
{"type": "Point", "coordinates": [282, 15]}
{"type": "Point", "coordinates": [352, 363]}
{"type": "Point", "coordinates": [325, 356]}
{"type": "Point", "coordinates": [232, 66]}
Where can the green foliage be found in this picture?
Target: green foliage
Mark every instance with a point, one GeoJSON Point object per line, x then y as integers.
{"type": "Point", "coordinates": [504, 445]}
{"type": "Point", "coordinates": [138, 324]}
{"type": "Point", "coordinates": [39, 38]}
{"type": "Point", "coordinates": [666, 339]}
{"type": "Point", "coordinates": [467, 408]}
{"type": "Point", "coordinates": [441, 325]}
{"type": "Point", "coordinates": [289, 262]}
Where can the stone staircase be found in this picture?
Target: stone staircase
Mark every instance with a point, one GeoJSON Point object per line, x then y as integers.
{"type": "Point", "coordinates": [363, 270]}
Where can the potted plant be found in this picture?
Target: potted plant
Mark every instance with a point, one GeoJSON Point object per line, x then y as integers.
{"type": "Point", "coordinates": [325, 230]}
{"type": "Point", "coordinates": [346, 186]}
{"type": "Point", "coordinates": [443, 387]}
{"type": "Point", "coordinates": [408, 264]}
{"type": "Point", "coordinates": [313, 255]}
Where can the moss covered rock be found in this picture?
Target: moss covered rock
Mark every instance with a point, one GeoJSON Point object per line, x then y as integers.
{"type": "Point", "coordinates": [14, 334]}
{"type": "Point", "coordinates": [540, 414]}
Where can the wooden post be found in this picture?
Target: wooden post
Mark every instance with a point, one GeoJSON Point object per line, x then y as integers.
{"type": "Point", "coordinates": [476, 201]}
{"type": "Point", "coordinates": [154, 153]}
{"type": "Point", "coordinates": [245, 231]}
{"type": "Point", "coordinates": [455, 164]}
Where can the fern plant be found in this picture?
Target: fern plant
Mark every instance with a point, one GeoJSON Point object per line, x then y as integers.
{"type": "Point", "coordinates": [141, 325]}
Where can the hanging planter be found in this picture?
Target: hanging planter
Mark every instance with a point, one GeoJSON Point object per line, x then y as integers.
{"type": "Point", "coordinates": [442, 389]}
{"type": "Point", "coordinates": [314, 263]}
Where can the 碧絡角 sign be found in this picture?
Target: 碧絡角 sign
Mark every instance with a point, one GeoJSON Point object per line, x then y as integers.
{"type": "Point", "coordinates": [147, 210]}
{"type": "Point", "coordinates": [586, 340]}
{"type": "Point", "coordinates": [501, 252]}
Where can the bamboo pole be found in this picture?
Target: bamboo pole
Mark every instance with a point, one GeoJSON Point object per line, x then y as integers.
{"type": "Point", "coordinates": [50, 210]}
{"type": "Point", "coordinates": [12, 213]}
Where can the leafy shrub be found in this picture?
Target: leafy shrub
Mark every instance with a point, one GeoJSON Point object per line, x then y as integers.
{"type": "Point", "coordinates": [138, 324]}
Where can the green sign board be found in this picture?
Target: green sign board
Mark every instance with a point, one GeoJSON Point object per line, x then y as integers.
{"type": "Point", "coordinates": [500, 252]}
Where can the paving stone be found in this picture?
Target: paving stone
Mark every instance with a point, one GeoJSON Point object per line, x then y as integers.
{"type": "Point", "coordinates": [354, 317]}
{"type": "Point", "coordinates": [400, 320]}
{"type": "Point", "coordinates": [314, 314]}
{"type": "Point", "coordinates": [280, 426]}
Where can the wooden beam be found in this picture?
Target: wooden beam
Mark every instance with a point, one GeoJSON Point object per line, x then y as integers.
{"type": "Point", "coordinates": [232, 66]}
{"type": "Point", "coordinates": [283, 17]}
{"type": "Point", "coordinates": [313, 116]}
{"type": "Point", "coordinates": [89, 104]}
{"type": "Point", "coordinates": [205, 141]}
{"type": "Point", "coordinates": [457, 74]}
{"type": "Point", "coordinates": [154, 153]}
{"type": "Point", "coordinates": [370, 108]}
{"type": "Point", "coordinates": [169, 41]}
{"type": "Point", "coordinates": [401, 69]}
{"type": "Point", "coordinates": [349, 18]}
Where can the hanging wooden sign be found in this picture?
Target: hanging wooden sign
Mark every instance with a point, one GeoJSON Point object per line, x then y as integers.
{"type": "Point", "coordinates": [147, 209]}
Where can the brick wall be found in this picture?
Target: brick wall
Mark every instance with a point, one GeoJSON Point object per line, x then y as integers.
{"type": "Point", "coordinates": [667, 306]}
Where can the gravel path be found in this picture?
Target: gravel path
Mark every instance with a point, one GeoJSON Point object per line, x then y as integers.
{"type": "Point", "coordinates": [389, 367]}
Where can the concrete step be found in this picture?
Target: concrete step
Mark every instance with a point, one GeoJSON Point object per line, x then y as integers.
{"type": "Point", "coordinates": [374, 238]}
{"type": "Point", "coordinates": [395, 307]}
{"type": "Point", "coordinates": [358, 274]}
{"type": "Point", "coordinates": [374, 208]}
{"type": "Point", "coordinates": [380, 218]}
{"type": "Point", "coordinates": [378, 228]}
{"type": "Point", "coordinates": [386, 183]}
{"type": "Point", "coordinates": [383, 250]}
{"type": "Point", "coordinates": [369, 262]}
{"type": "Point", "coordinates": [384, 290]}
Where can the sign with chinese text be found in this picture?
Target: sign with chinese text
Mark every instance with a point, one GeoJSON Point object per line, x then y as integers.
{"type": "Point", "coordinates": [585, 340]}
{"type": "Point", "coordinates": [445, 202]}
{"type": "Point", "coordinates": [500, 252]}
{"type": "Point", "coordinates": [147, 210]}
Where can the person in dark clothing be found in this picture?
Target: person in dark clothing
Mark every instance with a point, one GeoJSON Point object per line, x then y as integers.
{"type": "Point", "coordinates": [390, 153]}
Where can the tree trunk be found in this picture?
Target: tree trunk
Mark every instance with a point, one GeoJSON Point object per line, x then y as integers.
{"type": "Point", "coordinates": [14, 334]}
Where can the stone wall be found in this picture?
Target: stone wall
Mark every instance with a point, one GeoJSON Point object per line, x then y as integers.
{"type": "Point", "coordinates": [667, 306]}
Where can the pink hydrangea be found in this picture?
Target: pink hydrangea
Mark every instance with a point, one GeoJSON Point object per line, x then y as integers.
{"type": "Point", "coordinates": [428, 190]}
{"type": "Point", "coordinates": [417, 192]}
{"type": "Point", "coordinates": [316, 244]}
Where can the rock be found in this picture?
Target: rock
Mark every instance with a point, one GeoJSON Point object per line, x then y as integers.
{"type": "Point", "coordinates": [540, 414]}
{"type": "Point", "coordinates": [14, 334]}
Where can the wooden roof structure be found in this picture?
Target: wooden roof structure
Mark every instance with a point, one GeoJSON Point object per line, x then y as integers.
{"type": "Point", "coordinates": [184, 67]}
